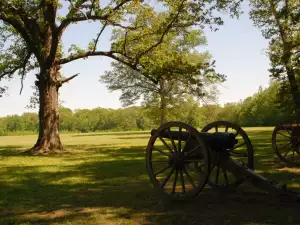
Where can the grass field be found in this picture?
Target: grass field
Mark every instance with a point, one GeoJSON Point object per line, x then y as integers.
{"type": "Point", "coordinates": [102, 180]}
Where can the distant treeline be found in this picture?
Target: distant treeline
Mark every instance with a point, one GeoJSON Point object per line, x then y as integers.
{"type": "Point", "coordinates": [260, 109]}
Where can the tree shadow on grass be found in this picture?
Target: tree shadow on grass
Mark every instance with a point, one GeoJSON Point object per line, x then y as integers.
{"type": "Point", "coordinates": [113, 134]}
{"type": "Point", "coordinates": [12, 150]}
{"type": "Point", "coordinates": [117, 190]}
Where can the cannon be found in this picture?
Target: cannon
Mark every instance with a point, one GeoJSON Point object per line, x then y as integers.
{"type": "Point", "coordinates": [286, 141]}
{"type": "Point", "coordinates": [181, 161]}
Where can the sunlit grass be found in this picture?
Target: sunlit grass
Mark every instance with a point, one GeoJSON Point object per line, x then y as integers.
{"type": "Point", "coordinates": [102, 179]}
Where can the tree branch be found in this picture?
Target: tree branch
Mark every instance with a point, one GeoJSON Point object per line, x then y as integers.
{"type": "Point", "coordinates": [279, 25]}
{"type": "Point", "coordinates": [10, 72]}
{"type": "Point", "coordinates": [97, 39]}
{"type": "Point", "coordinates": [50, 10]}
{"type": "Point", "coordinates": [24, 70]}
{"type": "Point", "coordinates": [125, 42]}
{"type": "Point", "coordinates": [95, 18]}
{"type": "Point", "coordinates": [120, 5]}
{"type": "Point", "coordinates": [18, 25]}
{"type": "Point", "coordinates": [39, 7]}
{"type": "Point", "coordinates": [70, 14]}
{"type": "Point", "coordinates": [84, 55]}
{"type": "Point", "coordinates": [61, 82]}
{"type": "Point", "coordinates": [26, 20]}
{"type": "Point", "coordinates": [18, 67]}
{"type": "Point", "coordinates": [163, 34]}
{"type": "Point", "coordinates": [70, 18]}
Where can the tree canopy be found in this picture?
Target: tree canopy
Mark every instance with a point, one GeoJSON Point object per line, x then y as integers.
{"type": "Point", "coordinates": [175, 70]}
{"type": "Point", "coordinates": [279, 22]}
{"type": "Point", "coordinates": [31, 38]}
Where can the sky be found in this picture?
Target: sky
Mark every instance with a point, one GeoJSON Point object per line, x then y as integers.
{"type": "Point", "coordinates": [238, 48]}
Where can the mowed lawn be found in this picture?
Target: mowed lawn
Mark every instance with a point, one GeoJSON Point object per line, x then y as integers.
{"type": "Point", "coordinates": [103, 180]}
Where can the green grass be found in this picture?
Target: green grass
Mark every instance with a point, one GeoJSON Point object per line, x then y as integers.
{"type": "Point", "coordinates": [102, 180]}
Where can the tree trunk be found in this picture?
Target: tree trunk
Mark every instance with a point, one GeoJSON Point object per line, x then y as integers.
{"type": "Point", "coordinates": [286, 58]}
{"type": "Point", "coordinates": [162, 111]}
{"type": "Point", "coordinates": [48, 139]}
{"type": "Point", "coordinates": [294, 90]}
{"type": "Point", "coordinates": [162, 102]}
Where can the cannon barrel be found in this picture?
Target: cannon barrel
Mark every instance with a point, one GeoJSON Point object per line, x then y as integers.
{"type": "Point", "coordinates": [217, 140]}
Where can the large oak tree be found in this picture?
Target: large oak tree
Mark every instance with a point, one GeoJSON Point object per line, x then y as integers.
{"type": "Point", "coordinates": [31, 38]}
{"type": "Point", "coordinates": [279, 21]}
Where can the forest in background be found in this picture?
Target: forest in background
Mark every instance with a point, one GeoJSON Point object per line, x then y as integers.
{"type": "Point", "coordinates": [261, 109]}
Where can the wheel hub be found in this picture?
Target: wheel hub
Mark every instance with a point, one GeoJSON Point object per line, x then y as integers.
{"type": "Point", "coordinates": [176, 161]}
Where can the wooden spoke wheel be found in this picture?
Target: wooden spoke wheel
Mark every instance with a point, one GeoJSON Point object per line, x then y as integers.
{"type": "Point", "coordinates": [286, 141]}
{"type": "Point", "coordinates": [242, 152]}
{"type": "Point", "coordinates": [168, 160]}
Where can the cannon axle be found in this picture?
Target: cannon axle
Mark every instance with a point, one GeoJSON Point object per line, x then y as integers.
{"type": "Point", "coordinates": [217, 141]}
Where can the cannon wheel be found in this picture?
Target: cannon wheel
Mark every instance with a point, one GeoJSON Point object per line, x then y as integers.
{"type": "Point", "coordinates": [286, 141]}
{"type": "Point", "coordinates": [242, 152]}
{"type": "Point", "coordinates": [167, 160]}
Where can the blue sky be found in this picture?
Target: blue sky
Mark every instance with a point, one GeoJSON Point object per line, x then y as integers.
{"type": "Point", "coordinates": [238, 48]}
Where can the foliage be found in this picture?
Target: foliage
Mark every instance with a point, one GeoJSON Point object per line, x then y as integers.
{"type": "Point", "coordinates": [26, 26]}
{"type": "Point", "coordinates": [261, 109]}
{"type": "Point", "coordinates": [31, 38]}
{"type": "Point", "coordinates": [279, 22]}
{"type": "Point", "coordinates": [174, 72]}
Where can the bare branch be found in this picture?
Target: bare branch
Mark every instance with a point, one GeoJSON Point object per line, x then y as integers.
{"type": "Point", "coordinates": [61, 82]}
{"type": "Point", "coordinates": [22, 80]}
{"type": "Point", "coordinates": [24, 70]}
{"type": "Point", "coordinates": [97, 39]}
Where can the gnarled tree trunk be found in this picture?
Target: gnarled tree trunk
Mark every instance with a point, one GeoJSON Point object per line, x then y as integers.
{"type": "Point", "coordinates": [48, 139]}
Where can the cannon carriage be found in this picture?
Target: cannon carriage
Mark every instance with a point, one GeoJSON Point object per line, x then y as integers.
{"type": "Point", "coordinates": [181, 161]}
